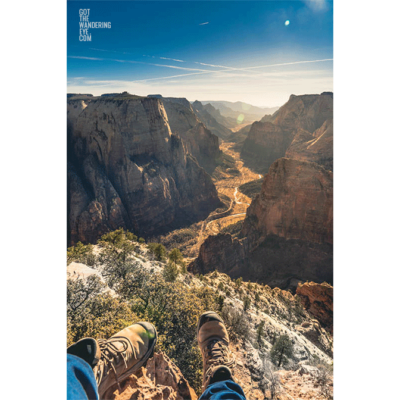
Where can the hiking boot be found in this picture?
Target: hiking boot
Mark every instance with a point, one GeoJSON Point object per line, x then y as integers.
{"type": "Point", "coordinates": [213, 341]}
{"type": "Point", "coordinates": [88, 349]}
{"type": "Point", "coordinates": [121, 355]}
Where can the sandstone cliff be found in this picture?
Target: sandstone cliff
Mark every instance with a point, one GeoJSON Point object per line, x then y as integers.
{"type": "Point", "coordinates": [301, 128]}
{"type": "Point", "coordinates": [287, 233]}
{"type": "Point", "coordinates": [296, 202]}
{"type": "Point", "coordinates": [316, 147]}
{"type": "Point", "coordinates": [307, 112]}
{"type": "Point", "coordinates": [210, 122]}
{"type": "Point", "coordinates": [265, 143]}
{"type": "Point", "coordinates": [126, 168]}
{"type": "Point", "coordinates": [317, 299]}
{"type": "Point", "coordinates": [197, 139]}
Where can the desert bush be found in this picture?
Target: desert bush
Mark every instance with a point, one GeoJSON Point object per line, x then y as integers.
{"type": "Point", "coordinates": [270, 380]}
{"type": "Point", "coordinates": [175, 256]}
{"type": "Point", "coordinates": [158, 251]}
{"type": "Point", "coordinates": [170, 272]}
{"type": "Point", "coordinates": [116, 258]}
{"type": "Point", "coordinates": [236, 322]}
{"type": "Point", "coordinates": [246, 303]}
{"type": "Point", "coordinates": [93, 313]}
{"type": "Point", "coordinates": [324, 379]}
{"type": "Point", "coordinates": [81, 253]}
{"type": "Point", "coordinates": [260, 332]}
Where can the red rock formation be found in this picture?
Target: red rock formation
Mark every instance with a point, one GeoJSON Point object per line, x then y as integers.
{"type": "Point", "coordinates": [265, 143]}
{"type": "Point", "coordinates": [301, 129]}
{"type": "Point", "coordinates": [316, 147]}
{"type": "Point", "coordinates": [287, 233]}
{"type": "Point", "coordinates": [307, 112]}
{"type": "Point", "coordinates": [317, 299]}
{"type": "Point", "coordinates": [296, 202]}
{"type": "Point", "coordinates": [161, 379]}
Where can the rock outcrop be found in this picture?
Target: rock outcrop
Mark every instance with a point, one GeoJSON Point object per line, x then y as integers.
{"type": "Point", "coordinates": [210, 122]}
{"type": "Point", "coordinates": [127, 169]}
{"type": "Point", "coordinates": [301, 129]}
{"type": "Point", "coordinates": [160, 379]}
{"type": "Point", "coordinates": [287, 233]}
{"type": "Point", "coordinates": [197, 139]}
{"type": "Point", "coordinates": [316, 147]}
{"type": "Point", "coordinates": [317, 299]}
{"type": "Point", "coordinates": [265, 143]}
{"type": "Point", "coordinates": [296, 202]}
{"type": "Point", "coordinates": [307, 112]}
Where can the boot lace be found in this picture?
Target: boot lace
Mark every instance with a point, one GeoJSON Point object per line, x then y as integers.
{"type": "Point", "coordinates": [110, 353]}
{"type": "Point", "coordinates": [218, 353]}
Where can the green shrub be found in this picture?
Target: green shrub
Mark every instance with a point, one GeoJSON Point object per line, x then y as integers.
{"type": "Point", "coordinates": [282, 351]}
{"type": "Point", "coordinates": [158, 250]}
{"type": "Point", "coordinates": [171, 272]}
{"type": "Point", "coordinates": [81, 253]}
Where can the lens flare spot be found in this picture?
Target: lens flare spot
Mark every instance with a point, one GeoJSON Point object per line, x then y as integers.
{"type": "Point", "coordinates": [240, 119]}
{"type": "Point", "coordinates": [287, 22]}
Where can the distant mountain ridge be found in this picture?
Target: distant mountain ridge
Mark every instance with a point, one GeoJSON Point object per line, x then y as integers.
{"type": "Point", "coordinates": [241, 106]}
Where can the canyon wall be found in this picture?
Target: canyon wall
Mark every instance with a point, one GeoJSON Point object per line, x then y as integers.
{"type": "Point", "coordinates": [209, 121]}
{"type": "Point", "coordinates": [301, 129]}
{"type": "Point", "coordinates": [126, 168]}
{"type": "Point", "coordinates": [197, 139]}
{"type": "Point", "coordinates": [317, 299]}
{"type": "Point", "coordinates": [287, 233]}
{"type": "Point", "coordinates": [316, 147]}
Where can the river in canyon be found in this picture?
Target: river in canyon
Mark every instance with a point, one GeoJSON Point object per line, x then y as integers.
{"type": "Point", "coordinates": [189, 239]}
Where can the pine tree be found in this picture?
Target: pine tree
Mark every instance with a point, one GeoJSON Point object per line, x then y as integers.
{"type": "Point", "coordinates": [282, 350]}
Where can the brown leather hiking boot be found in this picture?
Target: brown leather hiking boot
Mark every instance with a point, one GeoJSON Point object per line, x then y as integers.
{"type": "Point", "coordinates": [213, 342]}
{"type": "Point", "coordinates": [121, 355]}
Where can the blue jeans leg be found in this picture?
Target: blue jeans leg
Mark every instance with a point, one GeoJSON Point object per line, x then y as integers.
{"type": "Point", "coordinates": [223, 390]}
{"type": "Point", "coordinates": [81, 384]}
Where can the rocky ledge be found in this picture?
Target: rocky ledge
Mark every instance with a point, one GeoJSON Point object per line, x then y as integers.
{"type": "Point", "coordinates": [317, 299]}
{"type": "Point", "coordinates": [160, 379]}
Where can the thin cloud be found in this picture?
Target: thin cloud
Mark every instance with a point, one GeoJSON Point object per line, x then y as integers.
{"type": "Point", "coordinates": [317, 5]}
{"type": "Point", "coordinates": [204, 23]}
{"type": "Point", "coordinates": [201, 71]}
{"type": "Point", "coordinates": [228, 69]}
{"type": "Point", "coordinates": [140, 62]}
{"type": "Point", "coordinates": [171, 59]}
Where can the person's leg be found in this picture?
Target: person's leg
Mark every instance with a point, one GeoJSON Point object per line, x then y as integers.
{"type": "Point", "coordinates": [81, 383]}
{"type": "Point", "coordinates": [223, 390]}
{"type": "Point", "coordinates": [109, 361]}
{"type": "Point", "coordinates": [218, 360]}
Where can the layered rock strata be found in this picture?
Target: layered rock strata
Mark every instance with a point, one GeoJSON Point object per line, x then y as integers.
{"type": "Point", "coordinates": [287, 233]}
{"type": "Point", "coordinates": [301, 129]}
{"type": "Point", "coordinates": [126, 168]}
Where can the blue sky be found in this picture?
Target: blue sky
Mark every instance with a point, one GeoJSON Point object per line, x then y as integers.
{"type": "Point", "coordinates": [203, 50]}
